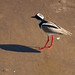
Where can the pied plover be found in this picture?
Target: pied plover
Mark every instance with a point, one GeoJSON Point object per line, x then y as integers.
{"type": "Point", "coordinates": [50, 28]}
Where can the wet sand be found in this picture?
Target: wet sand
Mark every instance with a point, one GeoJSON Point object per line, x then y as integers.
{"type": "Point", "coordinates": [21, 37]}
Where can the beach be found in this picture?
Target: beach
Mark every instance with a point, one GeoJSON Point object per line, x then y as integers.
{"type": "Point", "coordinates": [21, 38]}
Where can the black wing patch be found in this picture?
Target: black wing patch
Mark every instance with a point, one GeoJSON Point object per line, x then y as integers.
{"type": "Point", "coordinates": [50, 26]}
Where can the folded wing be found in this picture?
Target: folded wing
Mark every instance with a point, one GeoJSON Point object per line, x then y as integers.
{"type": "Point", "coordinates": [54, 29]}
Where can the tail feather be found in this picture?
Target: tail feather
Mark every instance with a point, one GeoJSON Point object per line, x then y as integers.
{"type": "Point", "coordinates": [65, 32]}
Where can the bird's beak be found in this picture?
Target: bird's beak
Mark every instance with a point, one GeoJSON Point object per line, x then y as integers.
{"type": "Point", "coordinates": [33, 17]}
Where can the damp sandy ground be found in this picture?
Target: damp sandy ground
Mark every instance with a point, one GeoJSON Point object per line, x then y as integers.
{"type": "Point", "coordinates": [21, 37]}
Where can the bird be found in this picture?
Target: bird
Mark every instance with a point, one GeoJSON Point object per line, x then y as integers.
{"type": "Point", "coordinates": [50, 28]}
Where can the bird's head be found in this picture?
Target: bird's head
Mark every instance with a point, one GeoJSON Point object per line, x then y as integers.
{"type": "Point", "coordinates": [38, 16]}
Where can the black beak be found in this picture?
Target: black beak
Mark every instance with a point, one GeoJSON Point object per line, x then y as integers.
{"type": "Point", "coordinates": [33, 17]}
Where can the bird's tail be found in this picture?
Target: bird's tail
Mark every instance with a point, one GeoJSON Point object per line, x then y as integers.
{"type": "Point", "coordinates": [65, 32]}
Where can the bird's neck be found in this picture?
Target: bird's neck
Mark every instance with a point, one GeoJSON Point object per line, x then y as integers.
{"type": "Point", "coordinates": [42, 21]}
{"type": "Point", "coordinates": [39, 21]}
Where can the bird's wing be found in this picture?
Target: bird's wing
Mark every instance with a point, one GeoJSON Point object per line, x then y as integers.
{"type": "Point", "coordinates": [51, 25]}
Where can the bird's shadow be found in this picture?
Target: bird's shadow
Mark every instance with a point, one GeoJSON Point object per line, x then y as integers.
{"type": "Point", "coordinates": [18, 48]}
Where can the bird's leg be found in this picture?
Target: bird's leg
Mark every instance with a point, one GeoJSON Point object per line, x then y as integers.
{"type": "Point", "coordinates": [45, 44]}
{"type": "Point", "coordinates": [51, 42]}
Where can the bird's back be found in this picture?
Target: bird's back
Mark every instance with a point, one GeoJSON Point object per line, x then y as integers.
{"type": "Point", "coordinates": [52, 28]}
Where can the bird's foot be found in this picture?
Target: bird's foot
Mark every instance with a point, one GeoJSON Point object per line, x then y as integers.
{"type": "Point", "coordinates": [41, 48]}
{"type": "Point", "coordinates": [49, 47]}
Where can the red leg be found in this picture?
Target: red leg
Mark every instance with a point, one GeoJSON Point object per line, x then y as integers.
{"type": "Point", "coordinates": [45, 44]}
{"type": "Point", "coordinates": [51, 42]}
